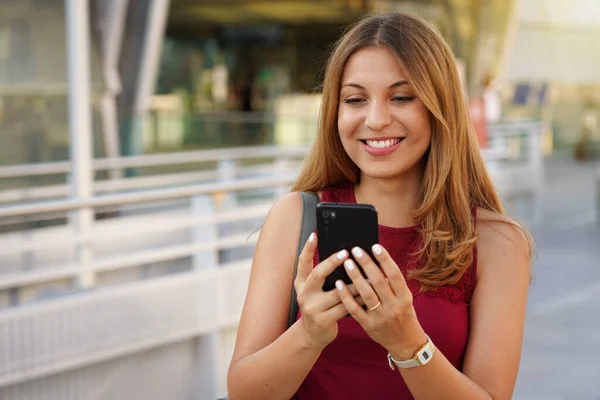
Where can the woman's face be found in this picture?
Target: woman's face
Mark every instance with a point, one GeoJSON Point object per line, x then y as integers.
{"type": "Point", "coordinates": [383, 127]}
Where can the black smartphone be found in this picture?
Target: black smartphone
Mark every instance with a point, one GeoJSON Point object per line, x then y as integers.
{"type": "Point", "coordinates": [343, 226]}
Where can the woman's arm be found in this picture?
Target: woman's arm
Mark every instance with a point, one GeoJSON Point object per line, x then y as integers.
{"type": "Point", "coordinates": [268, 361]}
{"type": "Point", "coordinates": [498, 306]}
{"type": "Point", "coordinates": [276, 371]}
{"type": "Point", "coordinates": [497, 317]}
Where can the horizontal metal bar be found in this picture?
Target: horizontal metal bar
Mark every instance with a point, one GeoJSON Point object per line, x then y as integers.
{"type": "Point", "coordinates": [168, 224]}
{"type": "Point", "coordinates": [49, 274]}
{"type": "Point", "coordinates": [53, 191]}
{"type": "Point", "coordinates": [175, 158]}
{"type": "Point", "coordinates": [101, 233]}
{"type": "Point", "coordinates": [83, 298]}
{"type": "Point", "coordinates": [515, 128]}
{"type": "Point", "coordinates": [144, 182]}
{"type": "Point", "coordinates": [34, 193]}
{"type": "Point", "coordinates": [147, 196]}
{"type": "Point", "coordinates": [49, 168]}
{"type": "Point", "coordinates": [54, 216]}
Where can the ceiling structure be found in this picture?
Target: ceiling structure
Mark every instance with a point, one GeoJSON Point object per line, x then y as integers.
{"type": "Point", "coordinates": [187, 13]}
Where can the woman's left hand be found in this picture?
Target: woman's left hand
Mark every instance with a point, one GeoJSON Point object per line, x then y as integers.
{"type": "Point", "coordinates": [390, 318]}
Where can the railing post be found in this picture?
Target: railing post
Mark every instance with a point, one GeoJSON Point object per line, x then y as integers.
{"type": "Point", "coordinates": [226, 171]}
{"type": "Point", "coordinates": [208, 346]}
{"type": "Point", "coordinates": [282, 166]}
{"type": "Point", "coordinates": [598, 196]}
{"type": "Point", "coordinates": [80, 127]}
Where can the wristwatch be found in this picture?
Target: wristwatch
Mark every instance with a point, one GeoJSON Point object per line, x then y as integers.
{"type": "Point", "coordinates": [422, 356]}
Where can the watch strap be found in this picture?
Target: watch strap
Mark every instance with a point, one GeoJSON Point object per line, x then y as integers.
{"type": "Point", "coordinates": [422, 356]}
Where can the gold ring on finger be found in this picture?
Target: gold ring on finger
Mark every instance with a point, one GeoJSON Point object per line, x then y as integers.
{"type": "Point", "coordinates": [375, 306]}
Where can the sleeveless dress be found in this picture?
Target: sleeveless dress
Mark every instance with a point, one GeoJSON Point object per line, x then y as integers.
{"type": "Point", "coordinates": [353, 366]}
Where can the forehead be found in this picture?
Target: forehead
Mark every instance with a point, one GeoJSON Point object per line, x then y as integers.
{"type": "Point", "coordinates": [373, 64]}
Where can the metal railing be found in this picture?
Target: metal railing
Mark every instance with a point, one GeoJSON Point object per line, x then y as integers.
{"type": "Point", "coordinates": [155, 239]}
{"type": "Point", "coordinates": [201, 284]}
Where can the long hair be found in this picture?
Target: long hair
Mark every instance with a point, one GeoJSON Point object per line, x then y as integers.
{"type": "Point", "coordinates": [455, 176]}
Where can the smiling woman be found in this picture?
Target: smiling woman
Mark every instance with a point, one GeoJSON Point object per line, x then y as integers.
{"type": "Point", "coordinates": [446, 308]}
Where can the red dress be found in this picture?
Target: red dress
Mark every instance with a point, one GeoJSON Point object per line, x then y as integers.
{"type": "Point", "coordinates": [353, 366]}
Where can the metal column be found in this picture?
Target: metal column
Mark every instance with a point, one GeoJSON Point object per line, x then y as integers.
{"type": "Point", "coordinates": [80, 127]}
{"type": "Point", "coordinates": [110, 20]}
{"type": "Point", "coordinates": [138, 64]}
{"type": "Point", "coordinates": [151, 48]}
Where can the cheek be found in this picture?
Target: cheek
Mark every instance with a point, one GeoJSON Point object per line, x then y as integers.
{"type": "Point", "coordinates": [347, 123]}
{"type": "Point", "coordinates": [425, 130]}
{"type": "Point", "coordinates": [420, 125]}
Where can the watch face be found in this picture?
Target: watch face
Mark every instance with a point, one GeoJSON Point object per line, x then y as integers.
{"type": "Point", "coordinates": [425, 355]}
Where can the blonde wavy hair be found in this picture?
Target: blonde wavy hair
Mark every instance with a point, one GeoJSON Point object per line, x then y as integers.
{"type": "Point", "coordinates": [455, 176]}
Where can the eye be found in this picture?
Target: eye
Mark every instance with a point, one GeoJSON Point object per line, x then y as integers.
{"type": "Point", "coordinates": [403, 99]}
{"type": "Point", "coordinates": [354, 101]}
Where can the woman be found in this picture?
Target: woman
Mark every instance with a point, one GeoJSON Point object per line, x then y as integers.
{"type": "Point", "coordinates": [394, 132]}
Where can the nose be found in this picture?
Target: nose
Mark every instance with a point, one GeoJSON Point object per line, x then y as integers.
{"type": "Point", "coordinates": [378, 117]}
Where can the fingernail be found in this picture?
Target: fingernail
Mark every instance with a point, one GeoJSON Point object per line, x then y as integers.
{"type": "Point", "coordinates": [339, 285]}
{"type": "Point", "coordinates": [377, 249]}
{"type": "Point", "coordinates": [357, 252]}
{"type": "Point", "coordinates": [311, 238]}
{"type": "Point", "coordinates": [349, 265]}
{"type": "Point", "coordinates": [342, 254]}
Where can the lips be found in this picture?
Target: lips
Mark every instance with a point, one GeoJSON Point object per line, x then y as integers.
{"type": "Point", "coordinates": [381, 144]}
{"type": "Point", "coordinates": [381, 147]}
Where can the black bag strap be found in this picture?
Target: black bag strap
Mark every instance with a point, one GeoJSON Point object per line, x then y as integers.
{"type": "Point", "coordinates": [309, 224]}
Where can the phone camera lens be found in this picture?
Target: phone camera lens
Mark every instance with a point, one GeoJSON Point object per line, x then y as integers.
{"type": "Point", "coordinates": [325, 214]}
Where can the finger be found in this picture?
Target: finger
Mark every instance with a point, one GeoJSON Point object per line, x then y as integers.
{"type": "Point", "coordinates": [339, 310]}
{"type": "Point", "coordinates": [321, 272]}
{"type": "Point", "coordinates": [364, 289]}
{"type": "Point", "coordinates": [392, 271]}
{"type": "Point", "coordinates": [331, 298]}
{"type": "Point", "coordinates": [352, 306]}
{"type": "Point", "coordinates": [376, 277]}
{"type": "Point", "coordinates": [305, 261]}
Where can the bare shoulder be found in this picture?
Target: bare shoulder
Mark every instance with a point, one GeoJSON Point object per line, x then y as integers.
{"type": "Point", "coordinates": [271, 277]}
{"type": "Point", "coordinates": [277, 244]}
{"type": "Point", "coordinates": [502, 243]}
{"type": "Point", "coordinates": [286, 210]}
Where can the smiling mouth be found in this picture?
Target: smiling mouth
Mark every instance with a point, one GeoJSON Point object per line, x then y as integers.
{"type": "Point", "coordinates": [382, 144]}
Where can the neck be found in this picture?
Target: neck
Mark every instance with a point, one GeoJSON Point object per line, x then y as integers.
{"type": "Point", "coordinates": [395, 199]}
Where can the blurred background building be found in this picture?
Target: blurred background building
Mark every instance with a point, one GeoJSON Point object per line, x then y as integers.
{"type": "Point", "coordinates": [143, 141]}
{"type": "Point", "coordinates": [164, 81]}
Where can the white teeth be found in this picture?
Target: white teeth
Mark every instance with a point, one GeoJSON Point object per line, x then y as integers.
{"type": "Point", "coordinates": [382, 144]}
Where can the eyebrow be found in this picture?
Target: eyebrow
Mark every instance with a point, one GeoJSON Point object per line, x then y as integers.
{"type": "Point", "coordinates": [393, 85]}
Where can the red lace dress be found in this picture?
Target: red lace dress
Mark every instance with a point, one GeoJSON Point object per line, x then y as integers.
{"type": "Point", "coordinates": [355, 367]}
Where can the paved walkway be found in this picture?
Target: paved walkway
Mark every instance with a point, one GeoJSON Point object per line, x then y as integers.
{"type": "Point", "coordinates": [561, 354]}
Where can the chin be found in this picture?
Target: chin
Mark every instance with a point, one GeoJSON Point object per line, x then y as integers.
{"type": "Point", "coordinates": [382, 172]}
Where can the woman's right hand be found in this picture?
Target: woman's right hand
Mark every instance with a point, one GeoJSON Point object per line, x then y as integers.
{"type": "Point", "coordinates": [320, 310]}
